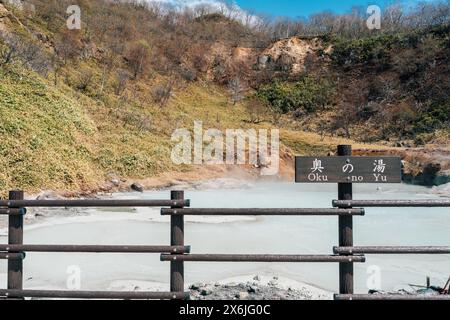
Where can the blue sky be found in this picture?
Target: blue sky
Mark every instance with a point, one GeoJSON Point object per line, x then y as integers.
{"type": "Point", "coordinates": [303, 8]}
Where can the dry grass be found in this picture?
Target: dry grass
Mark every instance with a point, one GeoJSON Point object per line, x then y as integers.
{"type": "Point", "coordinates": [53, 137]}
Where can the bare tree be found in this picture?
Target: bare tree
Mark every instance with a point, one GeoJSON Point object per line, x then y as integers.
{"type": "Point", "coordinates": [256, 109]}
{"type": "Point", "coordinates": [29, 53]}
{"type": "Point", "coordinates": [67, 46]}
{"type": "Point", "coordinates": [107, 62]}
{"type": "Point", "coordinates": [11, 48]}
{"type": "Point", "coordinates": [321, 23]}
{"type": "Point", "coordinates": [355, 93]}
{"type": "Point", "coordinates": [85, 80]}
{"type": "Point", "coordinates": [162, 93]}
{"type": "Point", "coordinates": [393, 17]}
{"type": "Point", "coordinates": [249, 18]}
{"type": "Point", "coordinates": [237, 90]}
{"type": "Point", "coordinates": [122, 77]}
{"type": "Point", "coordinates": [138, 57]}
{"type": "Point", "coordinates": [202, 10]}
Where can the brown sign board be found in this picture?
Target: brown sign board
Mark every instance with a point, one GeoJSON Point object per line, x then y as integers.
{"type": "Point", "coordinates": [348, 169]}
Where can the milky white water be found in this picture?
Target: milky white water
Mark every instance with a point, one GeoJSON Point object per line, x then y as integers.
{"type": "Point", "coordinates": [283, 235]}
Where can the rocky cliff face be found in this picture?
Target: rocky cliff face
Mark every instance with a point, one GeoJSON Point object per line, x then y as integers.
{"type": "Point", "coordinates": [4, 18]}
{"type": "Point", "coordinates": [291, 54]}
{"type": "Point", "coordinates": [8, 21]}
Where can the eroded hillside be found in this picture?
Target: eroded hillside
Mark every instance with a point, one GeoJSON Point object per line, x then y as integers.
{"type": "Point", "coordinates": [93, 109]}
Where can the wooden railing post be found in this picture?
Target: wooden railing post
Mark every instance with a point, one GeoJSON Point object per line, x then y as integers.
{"type": "Point", "coordinates": [177, 239]}
{"type": "Point", "coordinates": [345, 230]}
{"type": "Point", "coordinates": [15, 236]}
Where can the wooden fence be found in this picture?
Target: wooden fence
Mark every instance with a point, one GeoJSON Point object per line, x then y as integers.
{"type": "Point", "coordinates": [346, 254]}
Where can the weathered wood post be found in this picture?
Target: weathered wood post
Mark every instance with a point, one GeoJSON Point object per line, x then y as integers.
{"type": "Point", "coordinates": [345, 192]}
{"type": "Point", "coordinates": [177, 239]}
{"type": "Point", "coordinates": [15, 236]}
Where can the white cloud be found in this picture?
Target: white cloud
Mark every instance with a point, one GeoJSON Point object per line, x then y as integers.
{"type": "Point", "coordinates": [182, 4]}
{"type": "Point", "coordinates": [228, 8]}
{"type": "Point", "coordinates": [187, 3]}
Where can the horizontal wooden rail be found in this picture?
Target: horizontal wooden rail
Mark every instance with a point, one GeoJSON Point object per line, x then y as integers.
{"type": "Point", "coordinates": [13, 211]}
{"type": "Point", "coordinates": [262, 212]}
{"type": "Point", "coordinates": [94, 248]}
{"type": "Point", "coordinates": [93, 203]}
{"type": "Point", "coordinates": [261, 258]}
{"type": "Point", "coordinates": [135, 295]}
{"type": "Point", "coordinates": [11, 256]}
{"type": "Point", "coordinates": [391, 203]}
{"type": "Point", "coordinates": [396, 297]}
{"type": "Point", "coordinates": [392, 250]}
{"type": "Point", "coordinates": [346, 254]}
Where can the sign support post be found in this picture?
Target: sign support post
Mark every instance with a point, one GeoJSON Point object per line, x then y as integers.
{"type": "Point", "coordinates": [345, 170]}
{"type": "Point", "coordinates": [345, 192]}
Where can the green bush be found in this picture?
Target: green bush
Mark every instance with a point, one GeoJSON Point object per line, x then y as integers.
{"type": "Point", "coordinates": [437, 116]}
{"type": "Point", "coordinates": [307, 94]}
{"type": "Point", "coordinates": [364, 50]}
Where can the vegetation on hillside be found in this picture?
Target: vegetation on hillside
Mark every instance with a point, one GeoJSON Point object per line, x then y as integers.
{"type": "Point", "coordinates": [403, 82]}
{"type": "Point", "coordinates": [79, 106]}
{"type": "Point", "coordinates": [305, 95]}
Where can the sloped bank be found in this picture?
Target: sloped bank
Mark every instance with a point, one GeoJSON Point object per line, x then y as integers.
{"type": "Point", "coordinates": [424, 167]}
{"type": "Point", "coordinates": [431, 174]}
